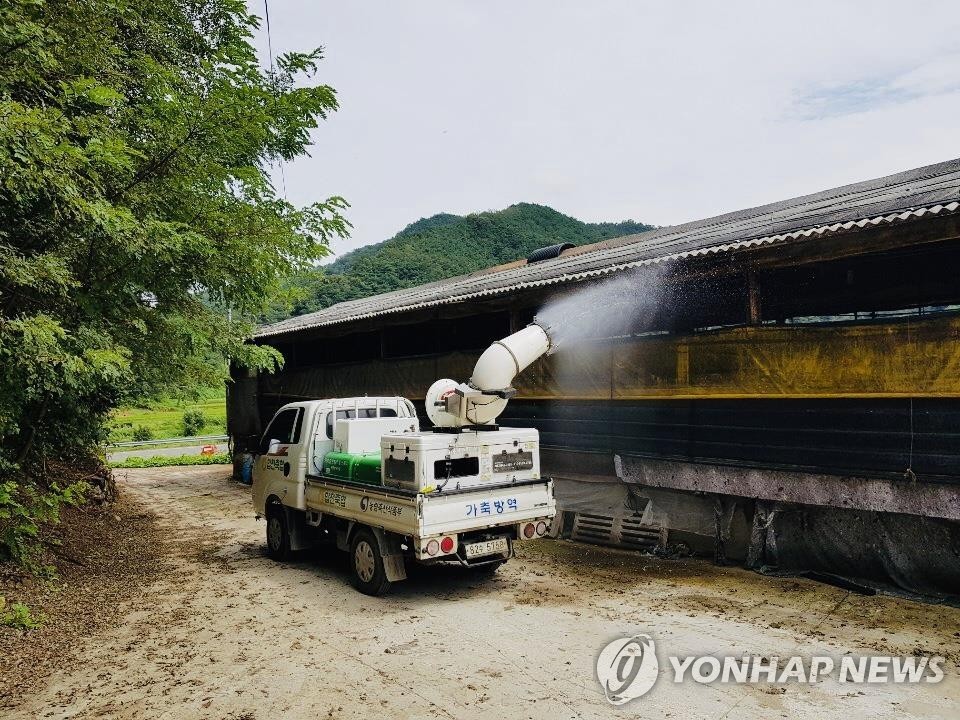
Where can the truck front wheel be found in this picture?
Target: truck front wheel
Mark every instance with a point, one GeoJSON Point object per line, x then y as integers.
{"type": "Point", "coordinates": [278, 534]}
{"type": "Point", "coordinates": [369, 574]}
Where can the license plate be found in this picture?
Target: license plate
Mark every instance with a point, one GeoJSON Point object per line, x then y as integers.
{"type": "Point", "coordinates": [487, 547]}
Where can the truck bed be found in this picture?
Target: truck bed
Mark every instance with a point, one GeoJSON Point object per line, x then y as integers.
{"type": "Point", "coordinates": [418, 514]}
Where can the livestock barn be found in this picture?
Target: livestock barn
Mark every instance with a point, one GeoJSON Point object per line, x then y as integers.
{"type": "Point", "coordinates": [784, 393]}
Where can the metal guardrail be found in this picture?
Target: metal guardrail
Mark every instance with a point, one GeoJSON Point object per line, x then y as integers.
{"type": "Point", "coordinates": [196, 440]}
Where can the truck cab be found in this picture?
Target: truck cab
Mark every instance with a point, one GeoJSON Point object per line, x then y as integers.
{"type": "Point", "coordinates": [300, 435]}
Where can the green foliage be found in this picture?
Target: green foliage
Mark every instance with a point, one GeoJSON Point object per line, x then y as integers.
{"type": "Point", "coordinates": [141, 433]}
{"type": "Point", "coordinates": [136, 140]}
{"type": "Point", "coordinates": [162, 461]}
{"type": "Point", "coordinates": [18, 615]}
{"type": "Point", "coordinates": [164, 416]}
{"type": "Point", "coordinates": [24, 507]}
{"type": "Point", "coordinates": [440, 247]}
{"type": "Point", "coordinates": [193, 422]}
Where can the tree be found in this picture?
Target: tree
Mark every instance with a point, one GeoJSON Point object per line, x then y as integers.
{"type": "Point", "coordinates": [136, 140]}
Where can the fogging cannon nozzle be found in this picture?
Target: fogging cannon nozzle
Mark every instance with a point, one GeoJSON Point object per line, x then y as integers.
{"type": "Point", "coordinates": [548, 331]}
{"type": "Point", "coordinates": [507, 358]}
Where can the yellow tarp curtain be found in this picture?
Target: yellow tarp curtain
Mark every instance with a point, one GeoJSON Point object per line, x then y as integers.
{"type": "Point", "coordinates": [917, 358]}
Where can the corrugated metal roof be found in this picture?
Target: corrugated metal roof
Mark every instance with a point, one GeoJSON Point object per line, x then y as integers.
{"type": "Point", "coordinates": [925, 192]}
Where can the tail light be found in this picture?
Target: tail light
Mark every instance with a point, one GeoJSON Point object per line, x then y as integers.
{"type": "Point", "coordinates": [440, 545]}
{"type": "Point", "coordinates": [529, 530]}
{"type": "Point", "coordinates": [541, 528]}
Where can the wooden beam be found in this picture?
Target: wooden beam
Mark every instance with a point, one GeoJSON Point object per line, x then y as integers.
{"type": "Point", "coordinates": [753, 295]}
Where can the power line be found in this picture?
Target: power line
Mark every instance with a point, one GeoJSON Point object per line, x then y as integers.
{"type": "Point", "coordinates": [266, 13]}
{"type": "Point", "coordinates": [283, 179]}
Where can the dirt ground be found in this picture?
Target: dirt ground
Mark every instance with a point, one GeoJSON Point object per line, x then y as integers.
{"type": "Point", "coordinates": [208, 627]}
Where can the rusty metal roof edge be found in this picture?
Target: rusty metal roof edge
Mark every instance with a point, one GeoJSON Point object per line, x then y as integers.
{"type": "Point", "coordinates": [817, 231]}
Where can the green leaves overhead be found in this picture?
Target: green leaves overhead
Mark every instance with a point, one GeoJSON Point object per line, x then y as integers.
{"type": "Point", "coordinates": [137, 139]}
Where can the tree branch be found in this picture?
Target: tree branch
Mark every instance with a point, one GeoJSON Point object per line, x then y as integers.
{"type": "Point", "coordinates": [32, 433]}
{"type": "Point", "coordinates": [16, 47]}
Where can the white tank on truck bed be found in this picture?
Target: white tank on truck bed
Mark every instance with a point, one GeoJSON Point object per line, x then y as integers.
{"type": "Point", "coordinates": [439, 461]}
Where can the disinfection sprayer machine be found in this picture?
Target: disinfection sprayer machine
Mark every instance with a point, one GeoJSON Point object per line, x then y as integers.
{"type": "Point", "coordinates": [360, 473]}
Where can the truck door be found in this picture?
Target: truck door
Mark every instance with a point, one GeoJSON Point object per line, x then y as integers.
{"type": "Point", "coordinates": [280, 456]}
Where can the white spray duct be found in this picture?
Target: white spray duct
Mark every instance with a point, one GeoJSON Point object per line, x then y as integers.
{"type": "Point", "coordinates": [507, 358]}
{"type": "Point", "coordinates": [452, 404]}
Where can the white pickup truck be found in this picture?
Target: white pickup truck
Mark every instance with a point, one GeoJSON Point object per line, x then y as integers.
{"type": "Point", "coordinates": [359, 472]}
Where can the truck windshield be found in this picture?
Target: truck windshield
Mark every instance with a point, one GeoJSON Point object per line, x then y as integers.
{"type": "Point", "coordinates": [285, 428]}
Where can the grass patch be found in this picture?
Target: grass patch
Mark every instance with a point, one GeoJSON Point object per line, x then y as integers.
{"type": "Point", "coordinates": [160, 461]}
{"type": "Point", "coordinates": [164, 418]}
{"type": "Point", "coordinates": [17, 615]}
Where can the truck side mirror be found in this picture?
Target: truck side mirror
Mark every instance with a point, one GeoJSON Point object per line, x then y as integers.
{"type": "Point", "coordinates": [272, 447]}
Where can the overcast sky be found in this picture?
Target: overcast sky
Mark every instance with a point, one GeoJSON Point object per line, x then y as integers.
{"type": "Point", "coordinates": [659, 112]}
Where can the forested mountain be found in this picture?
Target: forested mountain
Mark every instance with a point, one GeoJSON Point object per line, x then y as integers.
{"type": "Point", "coordinates": [439, 247]}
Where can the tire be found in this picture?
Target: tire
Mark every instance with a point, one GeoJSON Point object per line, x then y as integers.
{"type": "Point", "coordinates": [366, 563]}
{"type": "Point", "coordinates": [278, 533]}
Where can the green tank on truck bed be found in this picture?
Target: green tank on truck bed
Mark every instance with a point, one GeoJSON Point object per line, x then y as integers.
{"type": "Point", "coordinates": [363, 468]}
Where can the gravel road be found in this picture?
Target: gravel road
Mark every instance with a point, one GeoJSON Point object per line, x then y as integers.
{"type": "Point", "coordinates": [223, 632]}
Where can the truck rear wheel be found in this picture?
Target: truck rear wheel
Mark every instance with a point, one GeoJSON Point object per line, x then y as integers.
{"type": "Point", "coordinates": [369, 574]}
{"type": "Point", "coordinates": [278, 534]}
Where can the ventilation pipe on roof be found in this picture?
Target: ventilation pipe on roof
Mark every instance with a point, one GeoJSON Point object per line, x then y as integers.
{"type": "Point", "coordinates": [548, 253]}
